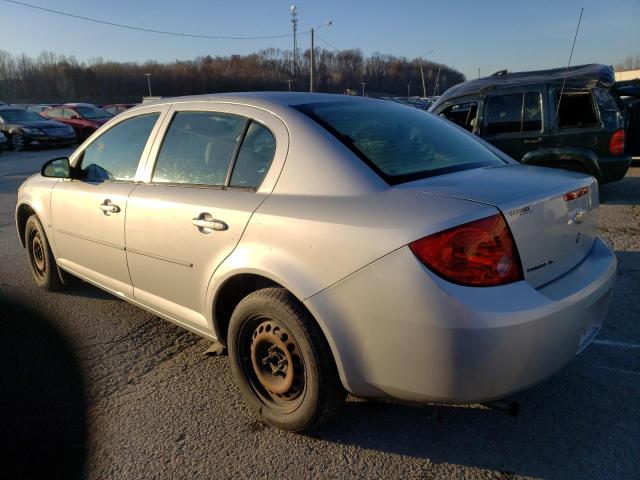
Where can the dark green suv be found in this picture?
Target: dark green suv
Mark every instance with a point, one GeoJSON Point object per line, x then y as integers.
{"type": "Point", "coordinates": [571, 119]}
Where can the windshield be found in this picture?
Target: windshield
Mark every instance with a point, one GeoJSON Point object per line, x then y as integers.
{"type": "Point", "coordinates": [17, 115]}
{"type": "Point", "coordinates": [92, 112]}
{"type": "Point", "coordinates": [400, 143]}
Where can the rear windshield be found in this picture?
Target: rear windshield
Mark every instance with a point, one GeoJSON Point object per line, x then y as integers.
{"type": "Point", "coordinates": [400, 143]}
{"type": "Point", "coordinates": [92, 112]}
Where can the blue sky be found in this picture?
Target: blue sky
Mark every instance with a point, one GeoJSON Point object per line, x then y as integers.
{"type": "Point", "coordinates": [465, 34]}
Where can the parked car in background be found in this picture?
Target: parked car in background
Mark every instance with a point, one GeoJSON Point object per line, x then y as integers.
{"type": "Point", "coordinates": [24, 128]}
{"type": "Point", "coordinates": [116, 108]}
{"type": "Point", "coordinates": [84, 119]}
{"type": "Point", "coordinates": [334, 243]}
{"type": "Point", "coordinates": [529, 116]}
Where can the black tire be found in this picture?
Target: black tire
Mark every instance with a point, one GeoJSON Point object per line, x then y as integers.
{"type": "Point", "coordinates": [272, 323]}
{"type": "Point", "coordinates": [43, 265]}
{"type": "Point", "coordinates": [17, 142]}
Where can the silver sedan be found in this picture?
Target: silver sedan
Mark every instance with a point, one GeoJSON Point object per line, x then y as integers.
{"type": "Point", "coordinates": [333, 244]}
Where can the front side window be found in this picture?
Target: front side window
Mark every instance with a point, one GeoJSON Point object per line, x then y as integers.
{"type": "Point", "coordinates": [115, 154]}
{"type": "Point", "coordinates": [198, 148]}
{"type": "Point", "coordinates": [400, 143]}
{"type": "Point", "coordinates": [68, 113]}
{"type": "Point", "coordinates": [254, 157]}
{"type": "Point", "coordinates": [463, 114]}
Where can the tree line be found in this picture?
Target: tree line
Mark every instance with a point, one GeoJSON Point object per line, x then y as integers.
{"type": "Point", "coordinates": [52, 78]}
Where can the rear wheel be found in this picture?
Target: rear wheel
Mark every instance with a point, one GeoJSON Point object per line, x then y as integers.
{"type": "Point", "coordinates": [43, 265]}
{"type": "Point", "coordinates": [282, 362]}
{"type": "Point", "coordinates": [17, 142]}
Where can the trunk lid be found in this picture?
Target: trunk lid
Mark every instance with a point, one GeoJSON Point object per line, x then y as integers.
{"type": "Point", "coordinates": [552, 234]}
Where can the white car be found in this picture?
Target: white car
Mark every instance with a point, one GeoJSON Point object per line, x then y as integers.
{"type": "Point", "coordinates": [333, 243]}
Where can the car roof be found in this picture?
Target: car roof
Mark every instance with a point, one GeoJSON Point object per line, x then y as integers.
{"type": "Point", "coordinates": [267, 100]}
{"type": "Point", "coordinates": [580, 76]}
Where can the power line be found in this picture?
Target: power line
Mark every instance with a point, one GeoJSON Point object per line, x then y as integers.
{"type": "Point", "coordinates": [327, 43]}
{"type": "Point", "coordinates": [147, 30]}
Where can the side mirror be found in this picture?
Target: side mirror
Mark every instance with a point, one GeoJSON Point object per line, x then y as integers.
{"type": "Point", "coordinates": [75, 117]}
{"type": "Point", "coordinates": [57, 168]}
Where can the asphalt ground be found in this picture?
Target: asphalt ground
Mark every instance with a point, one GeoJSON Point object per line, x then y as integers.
{"type": "Point", "coordinates": [160, 408]}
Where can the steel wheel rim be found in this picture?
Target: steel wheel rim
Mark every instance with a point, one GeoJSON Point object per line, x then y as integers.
{"type": "Point", "coordinates": [272, 363]}
{"type": "Point", "coordinates": [37, 256]}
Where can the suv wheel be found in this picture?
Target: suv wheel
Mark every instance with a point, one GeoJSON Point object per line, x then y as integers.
{"type": "Point", "coordinates": [43, 265]}
{"type": "Point", "coordinates": [282, 362]}
{"type": "Point", "coordinates": [17, 142]}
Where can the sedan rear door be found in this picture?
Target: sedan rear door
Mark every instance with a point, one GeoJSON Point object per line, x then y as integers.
{"type": "Point", "coordinates": [205, 178]}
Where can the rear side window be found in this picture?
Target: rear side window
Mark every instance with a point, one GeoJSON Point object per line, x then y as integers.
{"type": "Point", "coordinates": [198, 148]}
{"type": "Point", "coordinates": [504, 113]}
{"type": "Point", "coordinates": [463, 114]}
{"type": "Point", "coordinates": [400, 143]}
{"type": "Point", "coordinates": [514, 113]}
{"type": "Point", "coordinates": [576, 110]}
{"type": "Point", "coordinates": [115, 154]}
{"type": "Point", "coordinates": [254, 157]}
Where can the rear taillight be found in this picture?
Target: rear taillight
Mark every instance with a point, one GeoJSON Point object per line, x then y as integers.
{"type": "Point", "coordinates": [616, 144]}
{"type": "Point", "coordinates": [480, 253]}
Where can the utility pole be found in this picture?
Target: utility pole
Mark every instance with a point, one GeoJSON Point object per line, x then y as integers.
{"type": "Point", "coordinates": [294, 27]}
{"type": "Point", "coordinates": [313, 61]}
{"type": "Point", "coordinates": [478, 72]}
{"type": "Point", "coordinates": [424, 87]}
{"type": "Point", "coordinates": [408, 90]}
{"type": "Point", "coordinates": [289, 82]}
{"type": "Point", "coordinates": [148, 75]}
{"type": "Point", "coordinates": [363, 84]}
{"type": "Point", "coordinates": [435, 89]}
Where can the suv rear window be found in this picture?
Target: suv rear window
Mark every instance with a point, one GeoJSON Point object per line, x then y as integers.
{"type": "Point", "coordinates": [576, 110]}
{"type": "Point", "coordinates": [400, 143]}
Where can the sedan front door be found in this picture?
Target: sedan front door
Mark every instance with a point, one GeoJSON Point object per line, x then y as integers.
{"type": "Point", "coordinates": [88, 212]}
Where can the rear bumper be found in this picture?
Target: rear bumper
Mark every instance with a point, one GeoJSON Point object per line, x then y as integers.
{"type": "Point", "coordinates": [398, 330]}
{"type": "Point", "coordinates": [614, 168]}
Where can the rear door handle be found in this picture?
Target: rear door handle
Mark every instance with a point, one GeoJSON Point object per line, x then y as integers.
{"type": "Point", "coordinates": [108, 208]}
{"type": "Point", "coordinates": [532, 140]}
{"type": "Point", "coordinates": [207, 224]}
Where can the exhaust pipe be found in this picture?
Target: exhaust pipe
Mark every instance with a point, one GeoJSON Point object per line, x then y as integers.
{"type": "Point", "coordinates": [507, 407]}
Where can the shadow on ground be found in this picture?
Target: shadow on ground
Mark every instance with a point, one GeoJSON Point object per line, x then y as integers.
{"type": "Point", "coordinates": [623, 192]}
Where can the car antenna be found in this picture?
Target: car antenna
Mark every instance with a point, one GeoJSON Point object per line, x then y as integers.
{"type": "Point", "coordinates": [566, 72]}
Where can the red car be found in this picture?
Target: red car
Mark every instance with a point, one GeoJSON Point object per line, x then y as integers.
{"type": "Point", "coordinates": [84, 119]}
{"type": "Point", "coordinates": [116, 108]}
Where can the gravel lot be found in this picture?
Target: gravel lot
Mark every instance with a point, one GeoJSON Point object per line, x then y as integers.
{"type": "Point", "coordinates": [160, 408]}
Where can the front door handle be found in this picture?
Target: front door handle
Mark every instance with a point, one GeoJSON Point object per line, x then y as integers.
{"type": "Point", "coordinates": [532, 140]}
{"type": "Point", "coordinates": [108, 208]}
{"type": "Point", "coordinates": [207, 224]}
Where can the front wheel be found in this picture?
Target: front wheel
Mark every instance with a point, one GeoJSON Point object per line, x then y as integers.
{"type": "Point", "coordinates": [282, 362]}
{"type": "Point", "coordinates": [43, 265]}
{"type": "Point", "coordinates": [17, 142]}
